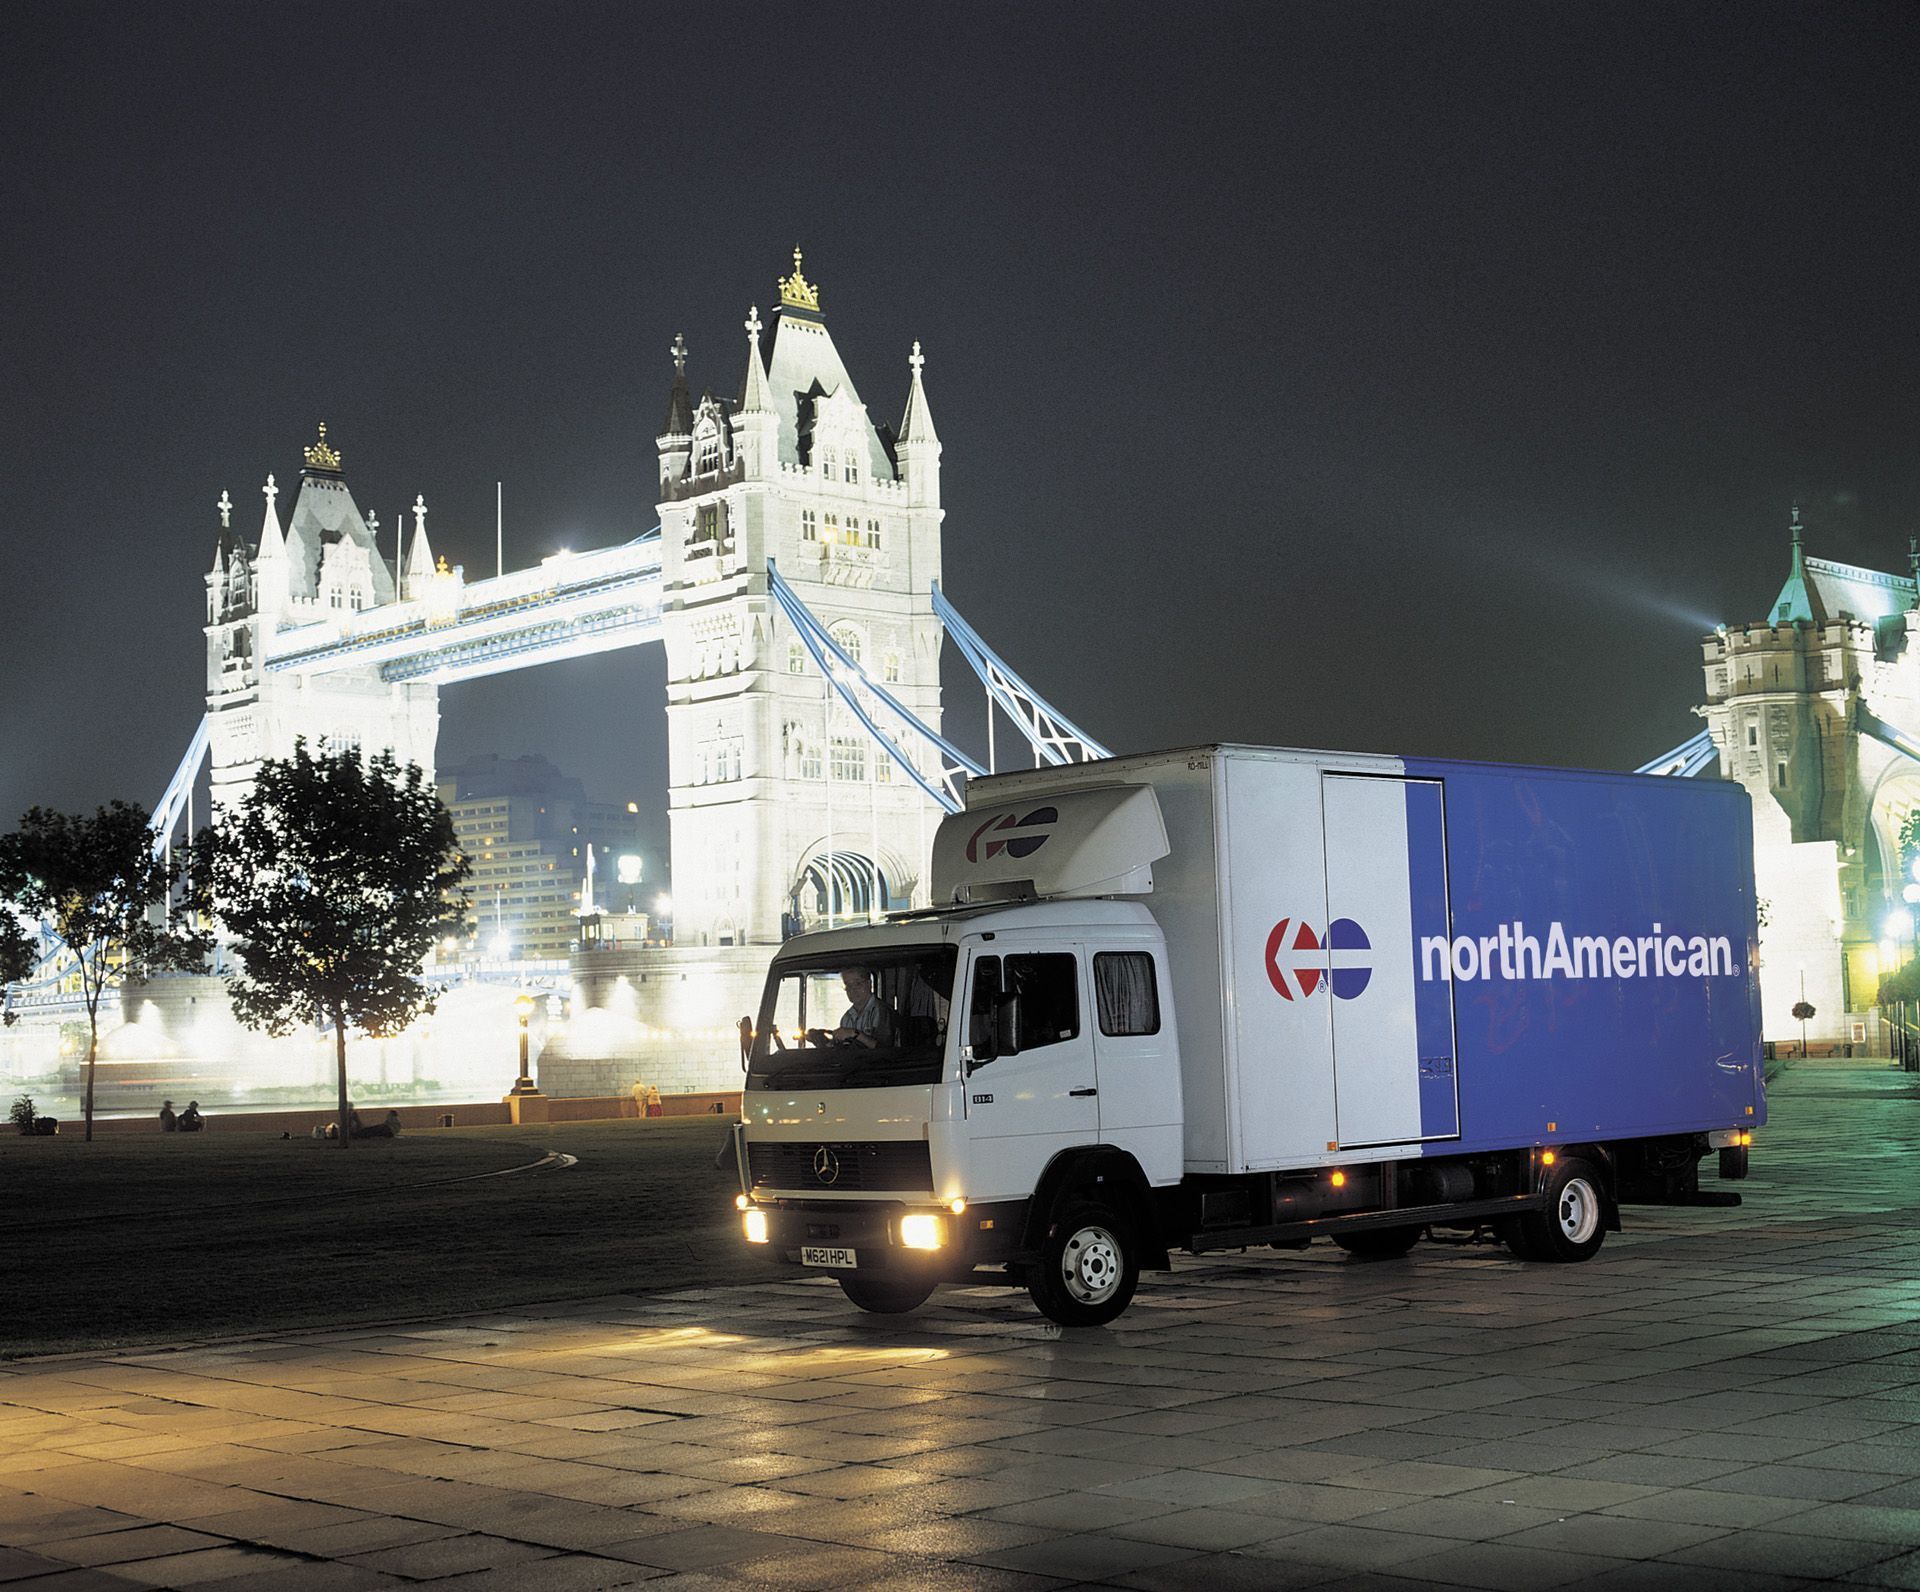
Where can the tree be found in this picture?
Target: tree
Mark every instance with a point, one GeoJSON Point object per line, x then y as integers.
{"type": "Point", "coordinates": [334, 878]}
{"type": "Point", "coordinates": [107, 893]}
{"type": "Point", "coordinates": [17, 955]}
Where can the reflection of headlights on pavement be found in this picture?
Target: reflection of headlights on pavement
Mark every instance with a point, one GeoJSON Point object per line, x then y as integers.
{"type": "Point", "coordinates": [755, 1223]}
{"type": "Point", "coordinates": [922, 1230]}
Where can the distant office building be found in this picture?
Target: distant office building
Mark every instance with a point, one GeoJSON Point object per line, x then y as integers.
{"type": "Point", "coordinates": [527, 828]}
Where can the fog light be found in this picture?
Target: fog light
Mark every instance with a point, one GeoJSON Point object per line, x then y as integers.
{"type": "Point", "coordinates": [922, 1231]}
{"type": "Point", "coordinates": [755, 1222]}
{"type": "Point", "coordinates": [958, 1207]}
{"type": "Point", "coordinates": [741, 1202]}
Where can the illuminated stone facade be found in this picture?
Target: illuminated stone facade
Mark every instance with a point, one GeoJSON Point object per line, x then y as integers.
{"type": "Point", "coordinates": [783, 811]}
{"type": "Point", "coordinates": [1806, 708]}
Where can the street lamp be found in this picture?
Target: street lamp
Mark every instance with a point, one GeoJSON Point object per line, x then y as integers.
{"type": "Point", "coordinates": [524, 1084]}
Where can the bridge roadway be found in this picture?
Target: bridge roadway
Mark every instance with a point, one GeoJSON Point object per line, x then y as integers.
{"type": "Point", "coordinates": [1721, 1399]}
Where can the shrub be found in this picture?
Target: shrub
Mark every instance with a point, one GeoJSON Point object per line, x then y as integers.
{"type": "Point", "coordinates": [22, 1114]}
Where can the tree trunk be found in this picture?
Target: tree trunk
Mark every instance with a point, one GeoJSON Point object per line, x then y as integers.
{"type": "Point", "coordinates": [93, 1053]}
{"type": "Point", "coordinates": [340, 1054]}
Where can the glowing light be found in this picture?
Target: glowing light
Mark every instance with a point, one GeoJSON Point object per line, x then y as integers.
{"type": "Point", "coordinates": [1898, 924]}
{"type": "Point", "coordinates": [958, 1207]}
{"type": "Point", "coordinates": [741, 1202]}
{"type": "Point", "coordinates": [663, 904]}
{"type": "Point", "coordinates": [1547, 1158]}
{"type": "Point", "coordinates": [1339, 1180]}
{"type": "Point", "coordinates": [1889, 953]}
{"type": "Point", "coordinates": [627, 868]}
{"type": "Point", "coordinates": [755, 1224]}
{"type": "Point", "coordinates": [502, 946]}
{"type": "Point", "coordinates": [922, 1230]}
{"type": "Point", "coordinates": [1910, 894]}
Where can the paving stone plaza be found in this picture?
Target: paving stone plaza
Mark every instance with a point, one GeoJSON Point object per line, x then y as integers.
{"type": "Point", "coordinates": [1720, 1399]}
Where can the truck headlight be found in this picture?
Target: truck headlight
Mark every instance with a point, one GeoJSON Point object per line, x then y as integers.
{"type": "Point", "coordinates": [755, 1223]}
{"type": "Point", "coordinates": [922, 1230]}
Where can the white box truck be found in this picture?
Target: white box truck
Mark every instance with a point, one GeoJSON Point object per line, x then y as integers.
{"type": "Point", "coordinates": [1233, 996]}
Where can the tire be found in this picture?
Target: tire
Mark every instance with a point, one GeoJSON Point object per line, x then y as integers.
{"type": "Point", "coordinates": [888, 1296]}
{"type": "Point", "coordinates": [1573, 1225]}
{"type": "Point", "coordinates": [1089, 1266]}
{"type": "Point", "coordinates": [1514, 1236]}
{"type": "Point", "coordinates": [1378, 1243]}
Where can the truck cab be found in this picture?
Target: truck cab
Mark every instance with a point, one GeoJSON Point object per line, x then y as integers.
{"type": "Point", "coordinates": [916, 1088]}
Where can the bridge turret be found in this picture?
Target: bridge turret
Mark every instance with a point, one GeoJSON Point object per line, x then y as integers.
{"type": "Point", "coordinates": [675, 441]}
{"type": "Point", "coordinates": [919, 444]}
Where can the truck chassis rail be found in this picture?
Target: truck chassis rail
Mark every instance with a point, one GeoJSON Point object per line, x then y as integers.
{"type": "Point", "coordinates": [1325, 1226]}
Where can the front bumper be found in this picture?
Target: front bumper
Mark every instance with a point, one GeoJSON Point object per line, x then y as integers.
{"type": "Point", "coordinates": [981, 1235]}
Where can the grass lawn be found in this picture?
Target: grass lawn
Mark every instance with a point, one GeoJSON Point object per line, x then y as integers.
{"type": "Point", "coordinates": [162, 1238]}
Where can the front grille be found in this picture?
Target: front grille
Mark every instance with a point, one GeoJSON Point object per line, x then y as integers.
{"type": "Point", "coordinates": [891, 1165]}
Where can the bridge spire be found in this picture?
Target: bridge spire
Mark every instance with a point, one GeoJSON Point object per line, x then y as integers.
{"type": "Point", "coordinates": [273, 541]}
{"type": "Point", "coordinates": [753, 395]}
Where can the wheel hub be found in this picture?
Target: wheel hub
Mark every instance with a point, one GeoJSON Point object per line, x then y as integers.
{"type": "Point", "coordinates": [1091, 1265]}
{"type": "Point", "coordinates": [1577, 1211]}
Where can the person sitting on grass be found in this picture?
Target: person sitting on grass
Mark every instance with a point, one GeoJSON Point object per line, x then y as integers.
{"type": "Point", "coordinates": [190, 1119]}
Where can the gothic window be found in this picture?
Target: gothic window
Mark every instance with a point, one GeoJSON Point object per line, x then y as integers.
{"type": "Point", "coordinates": [708, 459]}
{"type": "Point", "coordinates": [796, 658]}
{"type": "Point", "coordinates": [890, 670]}
{"type": "Point", "coordinates": [848, 639]}
{"type": "Point", "coordinates": [1753, 735]}
{"type": "Point", "coordinates": [882, 767]}
{"type": "Point", "coordinates": [1781, 774]}
{"type": "Point", "coordinates": [833, 529]}
{"type": "Point", "coordinates": [873, 533]}
{"type": "Point", "coordinates": [809, 526]}
{"type": "Point", "coordinates": [809, 759]}
{"type": "Point", "coordinates": [708, 528]}
{"type": "Point", "coordinates": [853, 467]}
{"type": "Point", "coordinates": [828, 460]}
{"type": "Point", "coordinates": [850, 757]}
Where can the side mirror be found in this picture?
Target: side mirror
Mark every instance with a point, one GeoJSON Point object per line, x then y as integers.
{"type": "Point", "coordinates": [746, 1042]}
{"type": "Point", "coordinates": [1007, 1026]}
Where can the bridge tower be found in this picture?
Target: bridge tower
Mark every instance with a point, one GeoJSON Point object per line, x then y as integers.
{"type": "Point", "coordinates": [1816, 710]}
{"type": "Point", "coordinates": [323, 566]}
{"type": "Point", "coordinates": [782, 811]}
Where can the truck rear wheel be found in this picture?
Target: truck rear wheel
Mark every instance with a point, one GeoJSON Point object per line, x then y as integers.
{"type": "Point", "coordinates": [1088, 1267]}
{"type": "Point", "coordinates": [887, 1296]}
{"type": "Point", "coordinates": [1378, 1243]}
{"type": "Point", "coordinates": [1573, 1225]}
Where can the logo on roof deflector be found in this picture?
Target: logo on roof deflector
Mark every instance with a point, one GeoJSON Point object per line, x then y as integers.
{"type": "Point", "coordinates": [1020, 845]}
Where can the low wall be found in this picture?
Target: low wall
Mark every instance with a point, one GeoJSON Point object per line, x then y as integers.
{"type": "Point", "coordinates": [468, 1114]}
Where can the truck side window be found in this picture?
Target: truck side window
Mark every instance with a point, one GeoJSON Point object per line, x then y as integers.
{"type": "Point", "coordinates": [1049, 989]}
{"type": "Point", "coordinates": [1129, 999]}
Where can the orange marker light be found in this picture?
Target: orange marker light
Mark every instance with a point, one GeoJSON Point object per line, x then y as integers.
{"type": "Point", "coordinates": [1339, 1179]}
{"type": "Point", "coordinates": [1547, 1158]}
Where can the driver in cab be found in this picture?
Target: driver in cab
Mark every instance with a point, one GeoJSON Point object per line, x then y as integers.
{"type": "Point", "coordinates": [864, 1021]}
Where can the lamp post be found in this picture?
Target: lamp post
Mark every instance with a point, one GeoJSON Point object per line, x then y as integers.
{"type": "Point", "coordinates": [524, 1084]}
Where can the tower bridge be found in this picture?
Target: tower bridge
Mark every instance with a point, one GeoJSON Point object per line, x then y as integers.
{"type": "Point", "coordinates": [793, 580]}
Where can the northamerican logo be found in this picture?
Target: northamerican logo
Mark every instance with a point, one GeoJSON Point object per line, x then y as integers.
{"type": "Point", "coordinates": [1018, 844]}
{"type": "Point", "coordinates": [1297, 958]}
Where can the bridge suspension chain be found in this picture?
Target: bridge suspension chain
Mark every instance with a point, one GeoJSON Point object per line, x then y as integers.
{"type": "Point", "coordinates": [1691, 757]}
{"type": "Point", "coordinates": [872, 704]}
{"type": "Point", "coordinates": [1051, 733]}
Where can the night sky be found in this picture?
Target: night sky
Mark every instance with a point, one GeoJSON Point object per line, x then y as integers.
{"type": "Point", "coordinates": [1413, 378]}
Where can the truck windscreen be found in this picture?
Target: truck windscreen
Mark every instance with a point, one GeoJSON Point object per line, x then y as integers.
{"type": "Point", "coordinates": [855, 1019]}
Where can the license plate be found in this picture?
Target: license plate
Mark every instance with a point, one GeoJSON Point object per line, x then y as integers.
{"type": "Point", "coordinates": [828, 1255]}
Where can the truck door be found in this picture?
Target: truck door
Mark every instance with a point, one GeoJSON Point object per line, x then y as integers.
{"type": "Point", "coordinates": [1393, 1050]}
{"type": "Point", "coordinates": [1039, 1095]}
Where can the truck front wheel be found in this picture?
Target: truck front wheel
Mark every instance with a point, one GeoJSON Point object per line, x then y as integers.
{"type": "Point", "coordinates": [889, 1296]}
{"type": "Point", "coordinates": [1088, 1267]}
{"type": "Point", "coordinates": [1573, 1225]}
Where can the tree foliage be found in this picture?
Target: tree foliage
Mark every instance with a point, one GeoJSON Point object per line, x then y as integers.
{"type": "Point", "coordinates": [108, 894]}
{"type": "Point", "coordinates": [334, 878]}
{"type": "Point", "coordinates": [17, 953]}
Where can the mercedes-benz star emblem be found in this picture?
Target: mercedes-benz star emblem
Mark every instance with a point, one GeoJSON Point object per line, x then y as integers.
{"type": "Point", "coordinates": [826, 1165]}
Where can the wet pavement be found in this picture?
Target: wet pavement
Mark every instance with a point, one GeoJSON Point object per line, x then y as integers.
{"type": "Point", "coordinates": [1722, 1398]}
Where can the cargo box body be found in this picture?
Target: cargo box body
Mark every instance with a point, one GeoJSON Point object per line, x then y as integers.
{"type": "Point", "coordinates": [1376, 958]}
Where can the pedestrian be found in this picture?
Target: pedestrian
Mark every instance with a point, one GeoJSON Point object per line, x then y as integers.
{"type": "Point", "coordinates": [169, 1123]}
{"type": "Point", "coordinates": [654, 1108]}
